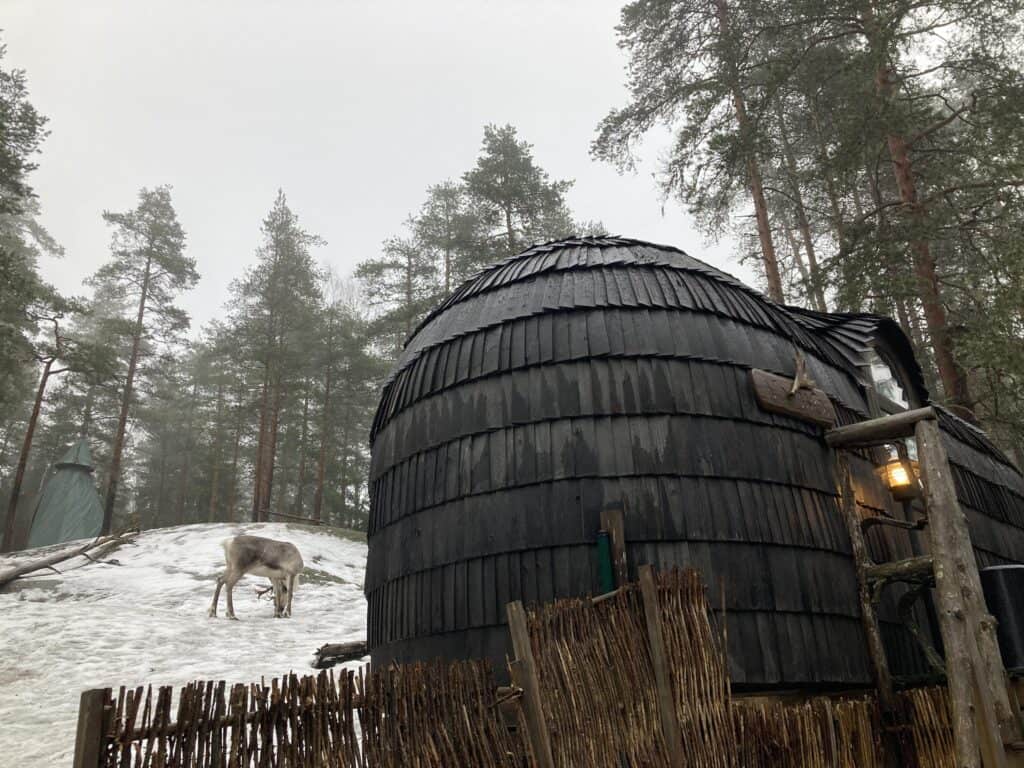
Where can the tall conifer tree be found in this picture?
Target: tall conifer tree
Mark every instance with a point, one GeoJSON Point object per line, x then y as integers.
{"type": "Point", "coordinates": [148, 269]}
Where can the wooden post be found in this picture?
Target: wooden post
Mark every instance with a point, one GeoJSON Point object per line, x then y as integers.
{"type": "Point", "coordinates": [976, 677]}
{"type": "Point", "coordinates": [659, 660]}
{"type": "Point", "coordinates": [526, 673]}
{"type": "Point", "coordinates": [91, 722]}
{"type": "Point", "coordinates": [862, 562]}
{"type": "Point", "coordinates": [613, 521]}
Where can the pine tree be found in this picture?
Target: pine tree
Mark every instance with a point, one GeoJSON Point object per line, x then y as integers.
{"type": "Point", "coordinates": [400, 286]}
{"type": "Point", "coordinates": [148, 267]}
{"type": "Point", "coordinates": [22, 241]}
{"type": "Point", "coordinates": [451, 231]}
{"type": "Point", "coordinates": [22, 130]}
{"type": "Point", "coordinates": [518, 202]}
{"type": "Point", "coordinates": [875, 145]}
{"type": "Point", "coordinates": [692, 67]}
{"type": "Point", "coordinates": [349, 380]}
{"type": "Point", "coordinates": [274, 314]}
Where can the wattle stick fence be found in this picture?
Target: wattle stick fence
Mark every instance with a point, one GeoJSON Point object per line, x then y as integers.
{"type": "Point", "coordinates": [605, 699]}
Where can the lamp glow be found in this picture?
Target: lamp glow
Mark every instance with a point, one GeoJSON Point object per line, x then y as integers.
{"type": "Point", "coordinates": [902, 485]}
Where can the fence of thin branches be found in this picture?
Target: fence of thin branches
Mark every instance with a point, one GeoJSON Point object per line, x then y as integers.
{"type": "Point", "coordinates": [597, 690]}
{"type": "Point", "coordinates": [417, 715]}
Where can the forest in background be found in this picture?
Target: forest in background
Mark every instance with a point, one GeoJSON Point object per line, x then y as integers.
{"type": "Point", "coordinates": [264, 413]}
{"type": "Point", "coordinates": [867, 157]}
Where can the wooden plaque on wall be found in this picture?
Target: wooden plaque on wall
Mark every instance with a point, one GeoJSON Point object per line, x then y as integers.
{"type": "Point", "coordinates": [773, 394]}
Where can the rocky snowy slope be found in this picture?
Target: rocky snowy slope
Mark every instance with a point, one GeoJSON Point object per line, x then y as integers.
{"type": "Point", "coordinates": [145, 622]}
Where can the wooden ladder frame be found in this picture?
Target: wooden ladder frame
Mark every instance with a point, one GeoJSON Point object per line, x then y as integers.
{"type": "Point", "coordinates": [985, 723]}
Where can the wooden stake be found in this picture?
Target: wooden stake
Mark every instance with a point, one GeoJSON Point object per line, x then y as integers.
{"type": "Point", "coordinates": [862, 562]}
{"type": "Point", "coordinates": [613, 521]}
{"type": "Point", "coordinates": [89, 736]}
{"type": "Point", "coordinates": [659, 660]}
{"type": "Point", "coordinates": [977, 679]}
{"type": "Point", "coordinates": [526, 673]}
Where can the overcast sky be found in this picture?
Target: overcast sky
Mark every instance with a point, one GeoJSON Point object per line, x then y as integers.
{"type": "Point", "coordinates": [353, 108]}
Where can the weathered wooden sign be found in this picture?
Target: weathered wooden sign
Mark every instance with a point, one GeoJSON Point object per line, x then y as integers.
{"type": "Point", "coordinates": [775, 393]}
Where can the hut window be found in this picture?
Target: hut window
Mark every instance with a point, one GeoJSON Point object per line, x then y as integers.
{"type": "Point", "coordinates": [886, 382]}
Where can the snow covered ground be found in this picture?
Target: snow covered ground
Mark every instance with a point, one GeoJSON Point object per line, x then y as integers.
{"type": "Point", "coordinates": [145, 622]}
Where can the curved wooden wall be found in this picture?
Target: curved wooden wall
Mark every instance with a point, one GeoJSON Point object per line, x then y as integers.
{"type": "Point", "coordinates": [593, 371]}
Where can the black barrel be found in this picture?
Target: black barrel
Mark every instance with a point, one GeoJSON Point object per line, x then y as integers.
{"type": "Point", "coordinates": [1004, 593]}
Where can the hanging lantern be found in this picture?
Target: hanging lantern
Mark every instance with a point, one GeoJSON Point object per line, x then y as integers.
{"type": "Point", "coordinates": [902, 485]}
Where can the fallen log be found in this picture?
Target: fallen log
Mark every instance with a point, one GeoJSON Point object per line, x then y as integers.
{"type": "Point", "coordinates": [103, 543]}
{"type": "Point", "coordinates": [338, 653]}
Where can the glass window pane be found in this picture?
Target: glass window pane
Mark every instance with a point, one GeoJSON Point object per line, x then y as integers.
{"type": "Point", "coordinates": [885, 381]}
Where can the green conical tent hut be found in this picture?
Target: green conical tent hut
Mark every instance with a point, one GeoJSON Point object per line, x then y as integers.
{"type": "Point", "coordinates": [69, 507]}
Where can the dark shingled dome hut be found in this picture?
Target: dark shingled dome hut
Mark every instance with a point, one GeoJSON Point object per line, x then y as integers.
{"type": "Point", "coordinates": [596, 371]}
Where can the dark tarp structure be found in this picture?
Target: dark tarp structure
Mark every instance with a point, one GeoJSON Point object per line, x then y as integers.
{"type": "Point", "coordinates": [598, 371]}
{"type": "Point", "coordinates": [69, 507]}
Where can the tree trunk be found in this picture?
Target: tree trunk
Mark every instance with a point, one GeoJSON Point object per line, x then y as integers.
{"type": "Point", "coordinates": [158, 509]}
{"type": "Point", "coordinates": [904, 318]}
{"type": "Point", "coordinates": [215, 456]}
{"type": "Point", "coordinates": [321, 466]}
{"type": "Point", "coordinates": [233, 494]}
{"type": "Point", "coordinates": [8, 429]}
{"type": "Point", "coordinates": [408, 294]}
{"type": "Point", "coordinates": [830, 188]}
{"type": "Point", "coordinates": [122, 420]}
{"type": "Point", "coordinates": [26, 448]}
{"type": "Point", "coordinates": [815, 289]}
{"type": "Point", "coordinates": [798, 260]}
{"type": "Point", "coordinates": [764, 232]}
{"type": "Point", "coordinates": [954, 378]}
{"type": "Point", "coordinates": [270, 454]}
{"type": "Point", "coordinates": [344, 465]}
{"type": "Point", "coordinates": [301, 479]}
{"type": "Point", "coordinates": [510, 232]}
{"type": "Point", "coordinates": [257, 481]}
{"type": "Point", "coordinates": [447, 269]}
{"type": "Point", "coordinates": [87, 411]}
{"type": "Point", "coordinates": [179, 513]}
{"type": "Point", "coordinates": [918, 337]}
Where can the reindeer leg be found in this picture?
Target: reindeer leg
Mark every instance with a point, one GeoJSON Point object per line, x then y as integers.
{"type": "Point", "coordinates": [278, 596]}
{"type": "Point", "coordinates": [231, 581]}
{"type": "Point", "coordinates": [291, 591]}
{"type": "Point", "coordinates": [216, 597]}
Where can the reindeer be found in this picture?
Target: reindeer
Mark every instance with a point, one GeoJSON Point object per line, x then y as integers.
{"type": "Point", "coordinates": [279, 561]}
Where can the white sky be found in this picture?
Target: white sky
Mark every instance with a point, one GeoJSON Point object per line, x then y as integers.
{"type": "Point", "coordinates": [353, 108]}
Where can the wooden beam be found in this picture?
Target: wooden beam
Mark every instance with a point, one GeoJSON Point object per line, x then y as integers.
{"type": "Point", "coordinates": [910, 569]}
{"type": "Point", "coordinates": [659, 659]}
{"type": "Point", "coordinates": [613, 521]}
{"type": "Point", "coordinates": [892, 522]}
{"type": "Point", "coordinates": [977, 681]}
{"type": "Point", "coordinates": [525, 672]}
{"type": "Point", "coordinates": [878, 431]}
{"type": "Point", "coordinates": [89, 734]}
{"type": "Point", "coordinates": [774, 394]}
{"type": "Point", "coordinates": [862, 562]}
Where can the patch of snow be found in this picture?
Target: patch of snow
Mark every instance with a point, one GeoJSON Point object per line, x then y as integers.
{"type": "Point", "coordinates": [144, 622]}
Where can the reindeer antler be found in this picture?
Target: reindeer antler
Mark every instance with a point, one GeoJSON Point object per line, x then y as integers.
{"type": "Point", "coordinates": [801, 379]}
